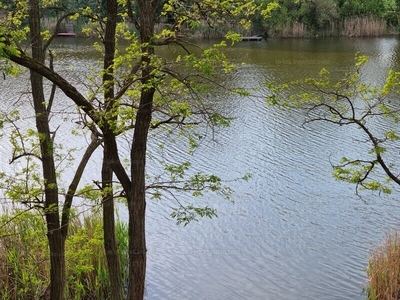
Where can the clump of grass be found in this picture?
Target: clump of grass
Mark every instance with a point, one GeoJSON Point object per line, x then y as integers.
{"type": "Point", "coordinates": [24, 257]}
{"type": "Point", "coordinates": [384, 270]}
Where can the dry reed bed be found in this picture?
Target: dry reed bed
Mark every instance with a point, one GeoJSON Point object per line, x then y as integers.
{"type": "Point", "coordinates": [295, 30]}
{"type": "Point", "coordinates": [363, 26]}
{"type": "Point", "coordinates": [384, 270]}
{"type": "Point", "coordinates": [351, 27]}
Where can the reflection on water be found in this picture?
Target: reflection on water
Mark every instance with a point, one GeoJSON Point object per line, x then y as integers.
{"type": "Point", "coordinates": [293, 231]}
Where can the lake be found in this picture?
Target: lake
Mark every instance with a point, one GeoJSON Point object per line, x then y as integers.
{"type": "Point", "coordinates": [293, 232]}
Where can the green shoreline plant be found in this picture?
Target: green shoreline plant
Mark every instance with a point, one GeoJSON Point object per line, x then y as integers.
{"type": "Point", "coordinates": [24, 252]}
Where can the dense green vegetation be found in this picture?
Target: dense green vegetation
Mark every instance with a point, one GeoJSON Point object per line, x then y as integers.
{"type": "Point", "coordinates": [24, 263]}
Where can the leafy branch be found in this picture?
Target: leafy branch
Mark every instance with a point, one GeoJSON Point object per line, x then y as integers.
{"type": "Point", "coordinates": [350, 101]}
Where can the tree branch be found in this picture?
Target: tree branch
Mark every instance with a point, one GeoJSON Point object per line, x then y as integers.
{"type": "Point", "coordinates": [74, 184]}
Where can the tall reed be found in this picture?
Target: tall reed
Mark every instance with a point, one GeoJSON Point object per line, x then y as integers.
{"type": "Point", "coordinates": [24, 257]}
{"type": "Point", "coordinates": [363, 26]}
{"type": "Point", "coordinates": [384, 270]}
{"type": "Point", "coordinates": [296, 30]}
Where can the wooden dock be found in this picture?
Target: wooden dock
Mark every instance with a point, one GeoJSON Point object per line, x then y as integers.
{"type": "Point", "coordinates": [251, 38]}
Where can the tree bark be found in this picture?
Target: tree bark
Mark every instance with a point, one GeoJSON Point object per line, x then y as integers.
{"type": "Point", "coordinates": [66, 210]}
{"type": "Point", "coordinates": [137, 202]}
{"type": "Point", "coordinates": [110, 244]}
{"type": "Point", "coordinates": [54, 234]}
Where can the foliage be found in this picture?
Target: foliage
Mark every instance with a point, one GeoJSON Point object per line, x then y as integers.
{"type": "Point", "coordinates": [185, 215]}
{"type": "Point", "coordinates": [135, 90]}
{"type": "Point", "coordinates": [375, 8]}
{"type": "Point", "coordinates": [25, 184]}
{"type": "Point", "coordinates": [352, 102]}
{"type": "Point", "coordinates": [209, 65]}
{"type": "Point", "coordinates": [24, 259]}
{"type": "Point", "coordinates": [315, 15]}
{"type": "Point", "coordinates": [181, 85]}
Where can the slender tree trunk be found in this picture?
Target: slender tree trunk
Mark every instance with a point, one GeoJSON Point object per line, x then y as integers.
{"type": "Point", "coordinates": [57, 261]}
{"type": "Point", "coordinates": [69, 197]}
{"type": "Point", "coordinates": [110, 244]}
{"type": "Point", "coordinates": [54, 234]}
{"type": "Point", "coordinates": [137, 202]}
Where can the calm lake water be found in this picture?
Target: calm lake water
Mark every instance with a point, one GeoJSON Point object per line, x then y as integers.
{"type": "Point", "coordinates": [293, 232]}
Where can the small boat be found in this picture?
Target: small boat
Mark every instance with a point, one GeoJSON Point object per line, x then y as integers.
{"type": "Point", "coordinates": [66, 34]}
{"type": "Point", "coordinates": [68, 30]}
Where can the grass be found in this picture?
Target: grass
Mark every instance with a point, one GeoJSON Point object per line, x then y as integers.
{"type": "Point", "coordinates": [24, 257]}
{"type": "Point", "coordinates": [384, 270]}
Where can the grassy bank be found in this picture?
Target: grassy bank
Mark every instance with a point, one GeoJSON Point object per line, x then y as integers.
{"type": "Point", "coordinates": [384, 270]}
{"type": "Point", "coordinates": [24, 257]}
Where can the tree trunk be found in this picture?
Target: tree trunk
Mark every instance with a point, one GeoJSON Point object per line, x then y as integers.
{"type": "Point", "coordinates": [110, 244]}
{"type": "Point", "coordinates": [54, 234]}
{"type": "Point", "coordinates": [137, 200]}
{"type": "Point", "coordinates": [57, 262]}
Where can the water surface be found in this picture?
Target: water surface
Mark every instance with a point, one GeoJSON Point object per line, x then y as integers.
{"type": "Point", "coordinates": [293, 232]}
